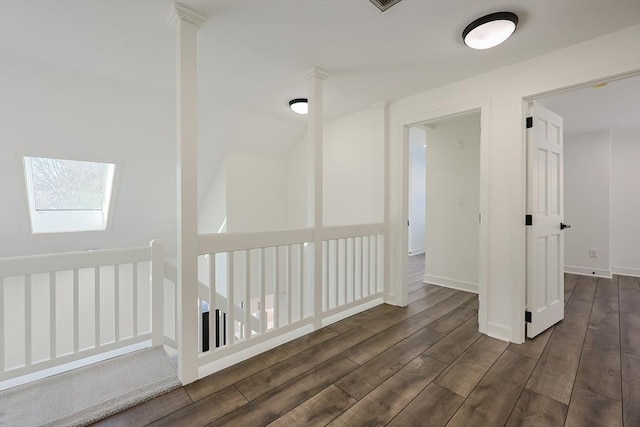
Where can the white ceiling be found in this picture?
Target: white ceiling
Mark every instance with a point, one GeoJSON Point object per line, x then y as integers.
{"type": "Point", "coordinates": [615, 106]}
{"type": "Point", "coordinates": [252, 53]}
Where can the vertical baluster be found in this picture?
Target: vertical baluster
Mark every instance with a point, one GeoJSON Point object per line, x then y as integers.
{"type": "Point", "coordinates": [199, 325]}
{"type": "Point", "coordinates": [247, 294]}
{"type": "Point", "coordinates": [362, 266]}
{"type": "Point", "coordinates": [337, 284]}
{"type": "Point", "coordinates": [76, 312]}
{"type": "Point", "coordinates": [353, 268]}
{"type": "Point", "coordinates": [52, 315]}
{"type": "Point", "coordinates": [289, 280]}
{"type": "Point", "coordinates": [369, 273]}
{"type": "Point", "coordinates": [346, 259]}
{"type": "Point", "coordinates": [135, 299]}
{"type": "Point", "coordinates": [375, 263]}
{"type": "Point", "coordinates": [230, 312]}
{"type": "Point", "coordinates": [276, 295]}
{"type": "Point", "coordinates": [301, 278]}
{"type": "Point", "coordinates": [96, 294]}
{"type": "Point", "coordinates": [27, 320]}
{"type": "Point", "coordinates": [327, 277]}
{"type": "Point", "coordinates": [2, 324]}
{"type": "Point", "coordinates": [212, 301]}
{"type": "Point", "coordinates": [263, 313]}
{"type": "Point", "coordinates": [116, 302]}
{"type": "Point", "coordinates": [156, 292]}
{"type": "Point", "coordinates": [175, 311]}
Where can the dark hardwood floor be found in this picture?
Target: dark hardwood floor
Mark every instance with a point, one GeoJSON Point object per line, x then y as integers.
{"type": "Point", "coordinates": [427, 365]}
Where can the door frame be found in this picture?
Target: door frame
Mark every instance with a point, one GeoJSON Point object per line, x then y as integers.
{"type": "Point", "coordinates": [409, 205]}
{"type": "Point", "coordinates": [483, 262]}
{"type": "Point", "coordinates": [534, 94]}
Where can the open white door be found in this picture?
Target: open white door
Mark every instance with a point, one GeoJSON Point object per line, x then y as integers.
{"type": "Point", "coordinates": [545, 214]}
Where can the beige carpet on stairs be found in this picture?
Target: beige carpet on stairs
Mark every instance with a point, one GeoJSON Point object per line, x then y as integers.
{"type": "Point", "coordinates": [86, 395]}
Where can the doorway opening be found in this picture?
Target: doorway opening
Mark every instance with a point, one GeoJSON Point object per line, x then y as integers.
{"type": "Point", "coordinates": [600, 171]}
{"type": "Point", "coordinates": [443, 232]}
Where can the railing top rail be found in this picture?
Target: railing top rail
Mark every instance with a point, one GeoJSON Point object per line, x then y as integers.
{"type": "Point", "coordinates": [34, 264]}
{"type": "Point", "coordinates": [357, 230]}
{"type": "Point", "coordinates": [229, 242]}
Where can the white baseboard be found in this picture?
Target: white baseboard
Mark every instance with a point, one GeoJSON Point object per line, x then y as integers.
{"type": "Point", "coordinates": [624, 271]}
{"type": "Point", "coordinates": [500, 332]}
{"type": "Point", "coordinates": [585, 271]}
{"type": "Point", "coordinates": [416, 252]}
{"type": "Point", "coordinates": [353, 308]}
{"type": "Point", "coordinates": [450, 283]}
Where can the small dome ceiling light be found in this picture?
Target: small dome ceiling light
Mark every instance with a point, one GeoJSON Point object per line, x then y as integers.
{"type": "Point", "coordinates": [490, 30]}
{"type": "Point", "coordinates": [299, 105]}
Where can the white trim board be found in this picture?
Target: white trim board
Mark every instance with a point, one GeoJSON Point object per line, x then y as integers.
{"type": "Point", "coordinates": [499, 332]}
{"type": "Point", "coordinates": [585, 271]}
{"type": "Point", "coordinates": [624, 271]}
{"type": "Point", "coordinates": [451, 283]}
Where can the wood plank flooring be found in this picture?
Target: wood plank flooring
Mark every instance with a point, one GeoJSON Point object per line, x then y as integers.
{"type": "Point", "coordinates": [427, 365]}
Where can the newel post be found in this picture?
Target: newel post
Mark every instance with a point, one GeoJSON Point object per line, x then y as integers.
{"type": "Point", "coordinates": [157, 293]}
{"type": "Point", "coordinates": [186, 23]}
{"type": "Point", "coordinates": [315, 78]}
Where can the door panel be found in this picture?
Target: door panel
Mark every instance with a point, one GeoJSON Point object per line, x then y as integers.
{"type": "Point", "coordinates": [545, 240]}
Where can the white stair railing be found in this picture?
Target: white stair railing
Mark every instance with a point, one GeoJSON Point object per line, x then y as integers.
{"type": "Point", "coordinates": [264, 282]}
{"type": "Point", "coordinates": [60, 309]}
{"type": "Point", "coordinates": [56, 309]}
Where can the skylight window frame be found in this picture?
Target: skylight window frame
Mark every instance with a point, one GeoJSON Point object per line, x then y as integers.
{"type": "Point", "coordinates": [56, 221]}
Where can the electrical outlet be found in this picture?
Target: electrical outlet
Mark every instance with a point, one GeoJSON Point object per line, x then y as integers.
{"type": "Point", "coordinates": [460, 200]}
{"type": "Point", "coordinates": [461, 144]}
{"type": "Point", "coordinates": [593, 252]}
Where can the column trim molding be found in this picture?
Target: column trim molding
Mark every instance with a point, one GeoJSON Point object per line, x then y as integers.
{"type": "Point", "coordinates": [317, 73]}
{"type": "Point", "coordinates": [179, 10]}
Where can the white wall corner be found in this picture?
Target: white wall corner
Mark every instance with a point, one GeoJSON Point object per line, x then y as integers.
{"type": "Point", "coordinates": [317, 73]}
{"type": "Point", "coordinates": [186, 13]}
{"type": "Point", "coordinates": [624, 271]}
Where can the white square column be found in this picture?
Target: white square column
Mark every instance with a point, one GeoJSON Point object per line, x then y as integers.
{"type": "Point", "coordinates": [315, 78]}
{"type": "Point", "coordinates": [186, 23]}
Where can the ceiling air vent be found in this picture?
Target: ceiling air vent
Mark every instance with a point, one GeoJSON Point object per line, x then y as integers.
{"type": "Point", "coordinates": [384, 4]}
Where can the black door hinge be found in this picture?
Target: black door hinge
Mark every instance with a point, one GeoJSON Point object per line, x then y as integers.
{"type": "Point", "coordinates": [407, 223]}
{"type": "Point", "coordinates": [528, 220]}
{"type": "Point", "coordinates": [529, 122]}
{"type": "Point", "coordinates": [527, 316]}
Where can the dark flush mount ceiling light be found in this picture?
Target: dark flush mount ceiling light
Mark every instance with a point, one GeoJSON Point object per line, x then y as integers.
{"type": "Point", "coordinates": [490, 30]}
{"type": "Point", "coordinates": [299, 105]}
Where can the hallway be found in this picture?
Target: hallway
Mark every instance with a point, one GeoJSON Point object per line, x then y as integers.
{"type": "Point", "coordinates": [426, 364]}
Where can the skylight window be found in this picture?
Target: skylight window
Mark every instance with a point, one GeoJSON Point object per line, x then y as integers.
{"type": "Point", "coordinates": [68, 195]}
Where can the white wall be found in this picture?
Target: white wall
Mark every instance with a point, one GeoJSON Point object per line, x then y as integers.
{"type": "Point", "coordinates": [353, 165]}
{"type": "Point", "coordinates": [500, 94]}
{"type": "Point", "coordinates": [625, 202]}
{"type": "Point", "coordinates": [256, 193]}
{"type": "Point", "coordinates": [587, 166]}
{"type": "Point", "coordinates": [418, 190]}
{"type": "Point", "coordinates": [51, 111]}
{"type": "Point", "coordinates": [453, 203]}
{"type": "Point", "coordinates": [353, 178]}
{"type": "Point", "coordinates": [212, 213]}
{"type": "Point", "coordinates": [297, 186]}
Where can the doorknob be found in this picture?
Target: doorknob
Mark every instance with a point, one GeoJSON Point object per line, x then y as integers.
{"type": "Point", "coordinates": [563, 226]}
